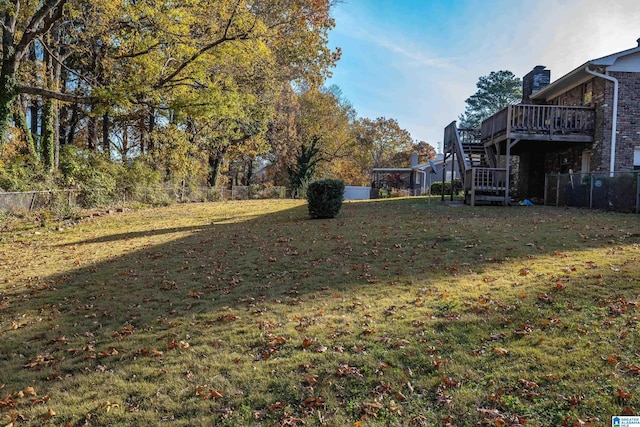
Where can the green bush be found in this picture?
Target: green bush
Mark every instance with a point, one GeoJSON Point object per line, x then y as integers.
{"type": "Point", "coordinates": [436, 187]}
{"type": "Point", "coordinates": [141, 183]}
{"type": "Point", "coordinates": [24, 173]}
{"type": "Point", "coordinates": [325, 198]}
{"type": "Point", "coordinates": [93, 175]}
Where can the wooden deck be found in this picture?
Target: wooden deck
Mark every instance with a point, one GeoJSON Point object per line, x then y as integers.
{"type": "Point", "coordinates": [481, 181]}
{"type": "Point", "coordinates": [486, 184]}
{"type": "Point", "coordinates": [541, 123]}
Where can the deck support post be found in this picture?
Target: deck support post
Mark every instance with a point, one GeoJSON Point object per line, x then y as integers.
{"type": "Point", "coordinates": [453, 162]}
{"type": "Point", "coordinates": [507, 165]}
{"type": "Point", "coordinates": [444, 175]}
{"type": "Point", "coordinates": [473, 187]}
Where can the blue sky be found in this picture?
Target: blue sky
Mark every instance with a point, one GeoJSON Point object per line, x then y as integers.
{"type": "Point", "coordinates": [418, 60]}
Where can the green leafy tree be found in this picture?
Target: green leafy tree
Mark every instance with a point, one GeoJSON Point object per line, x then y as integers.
{"type": "Point", "coordinates": [22, 23]}
{"type": "Point", "coordinates": [495, 92]}
{"type": "Point", "coordinates": [325, 115]}
{"type": "Point", "coordinates": [139, 77]}
{"type": "Point", "coordinates": [423, 150]}
{"type": "Point", "coordinates": [383, 139]}
{"type": "Point", "coordinates": [282, 135]}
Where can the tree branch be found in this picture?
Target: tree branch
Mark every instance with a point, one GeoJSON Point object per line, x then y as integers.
{"type": "Point", "coordinates": [46, 93]}
{"type": "Point", "coordinates": [225, 38]}
{"type": "Point", "coordinates": [40, 23]}
{"type": "Point", "coordinates": [56, 57]}
{"type": "Point", "coordinates": [136, 54]}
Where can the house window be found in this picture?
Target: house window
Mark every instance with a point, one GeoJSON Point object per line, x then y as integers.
{"type": "Point", "coordinates": [587, 93]}
{"type": "Point", "coordinates": [636, 158]}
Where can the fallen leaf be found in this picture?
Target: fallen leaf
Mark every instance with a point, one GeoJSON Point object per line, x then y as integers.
{"type": "Point", "coordinates": [621, 394]}
{"type": "Point", "coordinates": [500, 351]}
{"type": "Point", "coordinates": [49, 414]}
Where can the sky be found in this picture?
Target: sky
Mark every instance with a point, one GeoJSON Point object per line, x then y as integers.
{"type": "Point", "coordinates": [417, 61]}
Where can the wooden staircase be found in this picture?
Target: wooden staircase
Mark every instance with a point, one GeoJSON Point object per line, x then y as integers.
{"type": "Point", "coordinates": [482, 180]}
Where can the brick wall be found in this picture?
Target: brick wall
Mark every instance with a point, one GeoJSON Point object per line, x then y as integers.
{"type": "Point", "coordinates": [628, 124]}
{"type": "Point", "coordinates": [601, 148]}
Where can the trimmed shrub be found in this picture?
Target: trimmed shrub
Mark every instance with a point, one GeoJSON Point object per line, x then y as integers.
{"type": "Point", "coordinates": [325, 198]}
{"type": "Point", "coordinates": [436, 187]}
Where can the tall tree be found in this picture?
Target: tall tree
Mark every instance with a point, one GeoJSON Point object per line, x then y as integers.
{"type": "Point", "coordinates": [326, 116]}
{"type": "Point", "coordinates": [22, 23]}
{"type": "Point", "coordinates": [204, 75]}
{"type": "Point", "coordinates": [495, 92]}
{"type": "Point", "coordinates": [383, 139]}
{"type": "Point", "coordinates": [282, 135]}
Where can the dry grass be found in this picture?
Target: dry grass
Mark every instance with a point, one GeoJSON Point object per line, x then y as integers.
{"type": "Point", "coordinates": [395, 313]}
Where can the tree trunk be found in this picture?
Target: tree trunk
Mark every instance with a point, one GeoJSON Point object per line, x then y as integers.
{"type": "Point", "coordinates": [47, 146]}
{"type": "Point", "coordinates": [55, 85]}
{"type": "Point", "coordinates": [92, 132]}
{"type": "Point", "coordinates": [7, 97]}
{"type": "Point", "coordinates": [125, 143]}
{"type": "Point", "coordinates": [216, 157]}
{"type": "Point", "coordinates": [249, 173]}
{"type": "Point", "coordinates": [152, 127]}
{"type": "Point", "coordinates": [20, 120]}
{"type": "Point", "coordinates": [106, 144]}
{"type": "Point", "coordinates": [73, 123]}
{"type": "Point", "coordinates": [34, 110]}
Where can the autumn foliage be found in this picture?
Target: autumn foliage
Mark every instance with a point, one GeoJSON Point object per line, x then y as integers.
{"type": "Point", "coordinates": [397, 313]}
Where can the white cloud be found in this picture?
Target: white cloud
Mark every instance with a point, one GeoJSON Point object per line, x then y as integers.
{"type": "Point", "coordinates": [421, 76]}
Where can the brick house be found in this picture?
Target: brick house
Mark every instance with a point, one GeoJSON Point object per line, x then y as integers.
{"type": "Point", "coordinates": [586, 121]}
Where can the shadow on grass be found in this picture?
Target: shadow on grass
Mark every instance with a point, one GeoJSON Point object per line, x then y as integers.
{"type": "Point", "coordinates": [139, 306]}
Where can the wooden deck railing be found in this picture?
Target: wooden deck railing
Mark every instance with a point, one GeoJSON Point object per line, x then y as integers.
{"type": "Point", "coordinates": [486, 184]}
{"type": "Point", "coordinates": [539, 120]}
{"type": "Point", "coordinates": [453, 143]}
{"type": "Point", "coordinates": [486, 179]}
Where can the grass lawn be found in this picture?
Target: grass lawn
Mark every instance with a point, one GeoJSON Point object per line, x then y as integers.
{"type": "Point", "coordinates": [395, 313]}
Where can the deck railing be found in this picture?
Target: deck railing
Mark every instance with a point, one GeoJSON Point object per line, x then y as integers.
{"type": "Point", "coordinates": [486, 184]}
{"type": "Point", "coordinates": [453, 143]}
{"type": "Point", "coordinates": [486, 179]}
{"type": "Point", "coordinates": [539, 119]}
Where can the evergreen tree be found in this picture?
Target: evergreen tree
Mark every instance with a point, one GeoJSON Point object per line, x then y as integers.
{"type": "Point", "coordinates": [495, 92]}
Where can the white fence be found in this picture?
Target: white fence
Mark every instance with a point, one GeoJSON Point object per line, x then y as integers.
{"type": "Point", "coordinates": [352, 192]}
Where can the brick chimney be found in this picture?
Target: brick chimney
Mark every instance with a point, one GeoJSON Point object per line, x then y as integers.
{"type": "Point", "coordinates": [534, 81]}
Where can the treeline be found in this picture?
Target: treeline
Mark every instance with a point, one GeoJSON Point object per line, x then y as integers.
{"type": "Point", "coordinates": [202, 92]}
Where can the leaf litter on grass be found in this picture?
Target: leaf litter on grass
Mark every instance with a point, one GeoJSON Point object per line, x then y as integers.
{"type": "Point", "coordinates": [396, 312]}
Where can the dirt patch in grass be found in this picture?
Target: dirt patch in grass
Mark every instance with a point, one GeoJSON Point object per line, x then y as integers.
{"type": "Point", "coordinates": [395, 313]}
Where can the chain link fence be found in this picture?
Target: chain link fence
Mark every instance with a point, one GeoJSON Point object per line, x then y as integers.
{"type": "Point", "coordinates": [35, 200]}
{"type": "Point", "coordinates": [162, 194]}
{"type": "Point", "coordinates": [619, 192]}
{"type": "Point", "coordinates": [184, 194]}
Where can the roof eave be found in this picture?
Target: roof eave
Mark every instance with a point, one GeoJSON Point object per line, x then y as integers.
{"type": "Point", "coordinates": [579, 75]}
{"type": "Point", "coordinates": [564, 83]}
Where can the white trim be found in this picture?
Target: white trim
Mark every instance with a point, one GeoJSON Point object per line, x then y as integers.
{"type": "Point", "coordinates": [636, 155]}
{"type": "Point", "coordinates": [614, 116]}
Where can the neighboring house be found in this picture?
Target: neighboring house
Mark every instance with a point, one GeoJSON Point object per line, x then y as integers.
{"type": "Point", "coordinates": [417, 178]}
{"type": "Point", "coordinates": [436, 170]}
{"type": "Point", "coordinates": [586, 121]}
